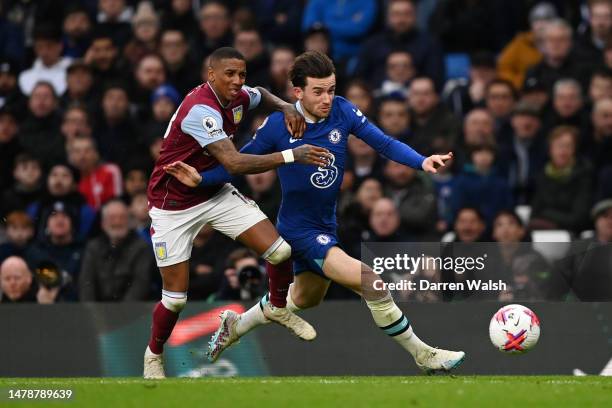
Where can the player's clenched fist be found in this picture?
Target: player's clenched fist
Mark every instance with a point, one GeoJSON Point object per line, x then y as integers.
{"type": "Point", "coordinates": [434, 161]}
{"type": "Point", "coordinates": [308, 154]}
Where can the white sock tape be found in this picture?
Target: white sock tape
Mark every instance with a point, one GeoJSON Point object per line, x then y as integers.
{"type": "Point", "coordinates": [288, 156]}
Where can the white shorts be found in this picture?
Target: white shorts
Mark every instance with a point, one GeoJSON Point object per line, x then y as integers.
{"type": "Point", "coordinates": [228, 212]}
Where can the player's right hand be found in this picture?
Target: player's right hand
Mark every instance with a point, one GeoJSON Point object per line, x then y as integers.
{"type": "Point", "coordinates": [308, 154]}
{"type": "Point", "coordinates": [184, 173]}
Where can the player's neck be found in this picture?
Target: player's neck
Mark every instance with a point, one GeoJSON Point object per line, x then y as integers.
{"type": "Point", "coordinates": [224, 103]}
{"type": "Point", "coordinates": [310, 118]}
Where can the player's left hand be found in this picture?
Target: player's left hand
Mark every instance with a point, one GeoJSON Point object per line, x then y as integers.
{"type": "Point", "coordinates": [296, 125]}
{"type": "Point", "coordinates": [184, 173]}
{"type": "Point", "coordinates": [434, 161]}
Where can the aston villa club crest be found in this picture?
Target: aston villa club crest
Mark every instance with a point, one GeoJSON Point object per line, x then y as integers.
{"type": "Point", "coordinates": [160, 250]}
{"type": "Point", "coordinates": [237, 114]}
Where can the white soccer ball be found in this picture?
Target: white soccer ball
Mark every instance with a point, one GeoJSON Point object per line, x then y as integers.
{"type": "Point", "coordinates": [514, 329]}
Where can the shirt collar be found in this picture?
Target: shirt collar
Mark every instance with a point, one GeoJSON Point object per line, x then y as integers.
{"type": "Point", "coordinates": [218, 100]}
{"type": "Point", "coordinates": [299, 108]}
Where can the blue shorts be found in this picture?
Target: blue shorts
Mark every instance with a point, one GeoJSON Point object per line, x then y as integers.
{"type": "Point", "coordinates": [309, 252]}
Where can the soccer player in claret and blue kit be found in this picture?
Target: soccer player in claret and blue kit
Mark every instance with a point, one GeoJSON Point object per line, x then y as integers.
{"type": "Point", "coordinates": [199, 136]}
{"type": "Point", "coordinates": [307, 217]}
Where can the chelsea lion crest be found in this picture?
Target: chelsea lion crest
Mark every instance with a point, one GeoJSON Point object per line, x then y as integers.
{"type": "Point", "coordinates": [334, 136]}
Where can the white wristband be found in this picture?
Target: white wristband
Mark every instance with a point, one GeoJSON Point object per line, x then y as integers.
{"type": "Point", "coordinates": [288, 155]}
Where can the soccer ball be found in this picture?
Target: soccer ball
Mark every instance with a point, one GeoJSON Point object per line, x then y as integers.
{"type": "Point", "coordinates": [514, 329]}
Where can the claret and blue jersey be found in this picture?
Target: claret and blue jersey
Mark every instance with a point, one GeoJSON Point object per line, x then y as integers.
{"type": "Point", "coordinates": [307, 217]}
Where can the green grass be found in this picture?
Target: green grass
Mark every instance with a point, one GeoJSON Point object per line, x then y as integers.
{"type": "Point", "coordinates": [461, 391]}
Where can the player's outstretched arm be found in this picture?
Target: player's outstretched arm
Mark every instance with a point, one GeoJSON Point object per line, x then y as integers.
{"type": "Point", "coordinates": [296, 125]}
{"type": "Point", "coordinates": [248, 164]}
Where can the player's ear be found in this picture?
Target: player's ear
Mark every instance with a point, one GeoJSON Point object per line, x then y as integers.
{"type": "Point", "coordinates": [298, 92]}
{"type": "Point", "coordinates": [211, 74]}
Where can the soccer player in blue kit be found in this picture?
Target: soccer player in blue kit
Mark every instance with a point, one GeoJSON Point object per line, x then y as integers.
{"type": "Point", "coordinates": [307, 217]}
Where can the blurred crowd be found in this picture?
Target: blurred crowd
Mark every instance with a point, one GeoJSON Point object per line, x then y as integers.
{"type": "Point", "coordinates": [520, 91]}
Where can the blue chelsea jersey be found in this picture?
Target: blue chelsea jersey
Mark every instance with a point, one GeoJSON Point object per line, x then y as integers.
{"type": "Point", "coordinates": [309, 193]}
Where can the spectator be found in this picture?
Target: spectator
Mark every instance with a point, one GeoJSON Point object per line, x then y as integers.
{"type": "Point", "coordinates": [586, 270]}
{"type": "Point", "coordinates": [462, 95]}
{"type": "Point", "coordinates": [590, 43]}
{"type": "Point", "coordinates": [145, 26]}
{"type": "Point", "coordinates": [135, 183]}
{"type": "Point", "coordinates": [16, 284]}
{"type": "Point", "coordinates": [208, 260]}
{"type": "Point", "coordinates": [353, 222]}
{"type": "Point", "coordinates": [567, 108]}
{"type": "Point", "coordinates": [281, 61]}
{"type": "Point", "coordinates": [164, 100]}
{"type": "Point", "coordinates": [49, 65]}
{"type": "Point", "coordinates": [62, 183]}
{"type": "Point", "coordinates": [393, 117]}
{"type": "Point", "coordinates": [59, 247]}
{"type": "Point", "coordinates": [116, 133]}
{"type": "Point", "coordinates": [79, 90]}
{"type": "Point", "coordinates": [39, 133]}
{"type": "Point", "coordinates": [563, 190]}
{"type": "Point", "coordinates": [348, 23]}
{"type": "Point", "coordinates": [180, 16]}
{"type": "Point", "coordinates": [412, 194]}
{"type": "Point", "coordinates": [27, 187]}
{"type": "Point", "coordinates": [117, 266]}
{"type": "Point", "coordinates": [478, 128]}
{"type": "Point", "coordinates": [526, 272]}
{"type": "Point", "coordinates": [444, 185]}
{"type": "Point", "coordinates": [9, 146]}
{"type": "Point", "coordinates": [75, 123]}
{"type": "Point", "coordinates": [500, 98]}
{"type": "Point", "coordinates": [99, 182]}
{"type": "Point", "coordinates": [19, 231]}
{"type": "Point", "coordinates": [479, 185]}
{"type": "Point", "coordinates": [265, 190]}
{"type": "Point", "coordinates": [600, 86]}
{"type": "Point", "coordinates": [182, 71]}
{"type": "Point", "coordinates": [240, 262]}
{"type": "Point", "coordinates": [77, 27]}
{"type": "Point", "coordinates": [249, 43]}
{"type": "Point", "coordinates": [385, 222]}
{"type": "Point", "coordinates": [103, 57]}
{"type": "Point", "coordinates": [114, 17]}
{"type": "Point", "coordinates": [434, 128]}
{"type": "Point", "coordinates": [139, 217]}
{"type": "Point", "coordinates": [10, 95]}
{"type": "Point", "coordinates": [401, 34]}
{"type": "Point", "coordinates": [363, 161]}
{"type": "Point", "coordinates": [359, 93]}
{"type": "Point", "coordinates": [150, 74]}
{"type": "Point", "coordinates": [318, 38]}
{"type": "Point", "coordinates": [557, 62]}
{"type": "Point", "coordinates": [524, 50]}
{"type": "Point", "coordinates": [535, 93]}
{"type": "Point", "coordinates": [215, 28]}
{"type": "Point", "coordinates": [398, 74]}
{"type": "Point", "coordinates": [522, 155]}
{"type": "Point", "coordinates": [601, 144]}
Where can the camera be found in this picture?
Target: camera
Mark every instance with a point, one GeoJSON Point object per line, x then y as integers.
{"type": "Point", "coordinates": [252, 282]}
{"type": "Point", "coordinates": [48, 275]}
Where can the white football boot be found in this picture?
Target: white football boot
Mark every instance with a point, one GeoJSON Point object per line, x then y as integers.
{"type": "Point", "coordinates": [225, 335]}
{"type": "Point", "coordinates": [153, 365]}
{"type": "Point", "coordinates": [285, 317]}
{"type": "Point", "coordinates": [433, 360]}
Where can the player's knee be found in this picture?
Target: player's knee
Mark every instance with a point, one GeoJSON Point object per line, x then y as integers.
{"type": "Point", "coordinates": [304, 300]}
{"type": "Point", "coordinates": [174, 301]}
{"type": "Point", "coordinates": [279, 252]}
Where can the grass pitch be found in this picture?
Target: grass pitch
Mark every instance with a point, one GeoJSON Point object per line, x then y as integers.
{"type": "Point", "coordinates": [449, 391]}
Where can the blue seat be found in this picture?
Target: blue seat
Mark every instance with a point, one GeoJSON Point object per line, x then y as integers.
{"type": "Point", "coordinates": [457, 65]}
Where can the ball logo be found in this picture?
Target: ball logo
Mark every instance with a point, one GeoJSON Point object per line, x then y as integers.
{"type": "Point", "coordinates": [325, 176]}
{"type": "Point", "coordinates": [335, 136]}
{"type": "Point", "coordinates": [323, 239]}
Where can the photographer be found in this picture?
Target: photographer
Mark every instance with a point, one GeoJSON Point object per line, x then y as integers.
{"type": "Point", "coordinates": [244, 279]}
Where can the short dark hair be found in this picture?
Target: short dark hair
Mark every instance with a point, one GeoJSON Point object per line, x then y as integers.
{"type": "Point", "coordinates": [313, 64]}
{"type": "Point", "coordinates": [225, 53]}
{"type": "Point", "coordinates": [503, 82]}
